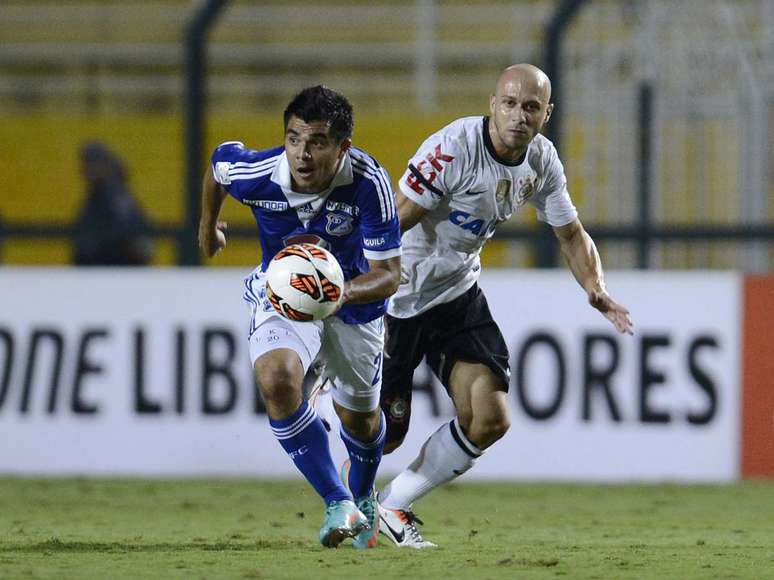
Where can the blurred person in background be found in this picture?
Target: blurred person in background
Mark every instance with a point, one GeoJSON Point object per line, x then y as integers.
{"type": "Point", "coordinates": [110, 228]}
{"type": "Point", "coordinates": [320, 189]}
{"type": "Point", "coordinates": [463, 181]}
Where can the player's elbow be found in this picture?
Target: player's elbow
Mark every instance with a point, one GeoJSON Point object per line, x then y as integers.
{"type": "Point", "coordinates": [393, 283]}
{"type": "Point", "coordinates": [390, 280]}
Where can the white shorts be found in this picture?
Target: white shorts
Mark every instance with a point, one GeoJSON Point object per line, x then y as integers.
{"type": "Point", "coordinates": [351, 353]}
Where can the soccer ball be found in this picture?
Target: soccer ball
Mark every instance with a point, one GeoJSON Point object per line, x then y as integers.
{"type": "Point", "coordinates": [304, 282]}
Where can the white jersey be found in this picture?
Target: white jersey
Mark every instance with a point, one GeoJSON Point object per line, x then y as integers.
{"type": "Point", "coordinates": [468, 190]}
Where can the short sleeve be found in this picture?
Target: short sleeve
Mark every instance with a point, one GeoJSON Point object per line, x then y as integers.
{"type": "Point", "coordinates": [436, 169]}
{"type": "Point", "coordinates": [380, 227]}
{"type": "Point", "coordinates": [553, 203]}
{"type": "Point", "coordinates": [237, 168]}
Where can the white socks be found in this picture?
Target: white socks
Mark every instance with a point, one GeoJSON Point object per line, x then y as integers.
{"type": "Point", "coordinates": [447, 454]}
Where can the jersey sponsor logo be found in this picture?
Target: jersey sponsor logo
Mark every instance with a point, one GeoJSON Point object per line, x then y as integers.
{"type": "Point", "coordinates": [374, 242]}
{"type": "Point", "coordinates": [221, 170]}
{"type": "Point", "coordinates": [338, 224]}
{"type": "Point", "coordinates": [471, 192]}
{"type": "Point", "coordinates": [471, 223]}
{"type": "Point", "coordinates": [352, 210]}
{"type": "Point", "coordinates": [428, 169]}
{"type": "Point", "coordinates": [268, 204]}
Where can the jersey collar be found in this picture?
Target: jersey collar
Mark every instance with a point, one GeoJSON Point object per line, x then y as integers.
{"type": "Point", "coordinates": [281, 175]}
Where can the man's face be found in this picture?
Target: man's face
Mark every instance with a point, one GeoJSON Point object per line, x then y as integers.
{"type": "Point", "coordinates": [313, 154]}
{"type": "Point", "coordinates": [519, 110]}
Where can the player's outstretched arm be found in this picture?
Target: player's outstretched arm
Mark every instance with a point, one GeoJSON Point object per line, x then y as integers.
{"type": "Point", "coordinates": [212, 233]}
{"type": "Point", "coordinates": [583, 259]}
{"type": "Point", "coordinates": [380, 283]}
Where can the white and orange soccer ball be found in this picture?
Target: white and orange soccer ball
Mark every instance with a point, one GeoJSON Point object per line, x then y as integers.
{"type": "Point", "coordinates": [304, 282]}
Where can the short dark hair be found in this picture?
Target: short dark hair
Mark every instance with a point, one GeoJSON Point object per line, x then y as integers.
{"type": "Point", "coordinates": [319, 103]}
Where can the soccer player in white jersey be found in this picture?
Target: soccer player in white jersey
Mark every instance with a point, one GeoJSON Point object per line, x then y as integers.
{"type": "Point", "coordinates": [463, 181]}
{"type": "Point", "coordinates": [318, 188]}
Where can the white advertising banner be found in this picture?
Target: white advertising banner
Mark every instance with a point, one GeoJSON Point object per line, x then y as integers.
{"type": "Point", "coordinates": [145, 372]}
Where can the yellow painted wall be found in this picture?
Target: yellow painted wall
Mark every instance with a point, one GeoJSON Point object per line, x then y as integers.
{"type": "Point", "coordinates": [42, 183]}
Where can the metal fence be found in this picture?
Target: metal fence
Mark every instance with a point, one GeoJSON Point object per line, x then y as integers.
{"type": "Point", "coordinates": [664, 112]}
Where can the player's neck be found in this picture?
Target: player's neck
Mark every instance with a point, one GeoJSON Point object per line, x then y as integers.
{"type": "Point", "coordinates": [499, 150]}
{"type": "Point", "coordinates": [507, 154]}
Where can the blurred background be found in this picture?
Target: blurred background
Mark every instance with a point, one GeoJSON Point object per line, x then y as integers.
{"type": "Point", "coordinates": [664, 113]}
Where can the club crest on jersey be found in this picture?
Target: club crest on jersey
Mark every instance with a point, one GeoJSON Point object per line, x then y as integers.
{"type": "Point", "coordinates": [525, 187]}
{"type": "Point", "coordinates": [338, 224]}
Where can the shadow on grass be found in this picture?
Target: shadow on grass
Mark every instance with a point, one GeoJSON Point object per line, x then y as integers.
{"type": "Point", "coordinates": [60, 546]}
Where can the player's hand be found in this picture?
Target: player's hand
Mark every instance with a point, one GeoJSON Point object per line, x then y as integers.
{"type": "Point", "coordinates": [613, 311]}
{"type": "Point", "coordinates": [213, 241]}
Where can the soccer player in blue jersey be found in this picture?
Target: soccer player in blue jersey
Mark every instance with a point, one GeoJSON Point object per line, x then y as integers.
{"type": "Point", "coordinates": [318, 188]}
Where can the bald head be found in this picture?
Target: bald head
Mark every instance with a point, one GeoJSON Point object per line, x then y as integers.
{"type": "Point", "coordinates": [519, 108]}
{"type": "Point", "coordinates": [526, 75]}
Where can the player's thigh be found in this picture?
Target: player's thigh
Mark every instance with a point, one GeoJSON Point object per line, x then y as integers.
{"type": "Point", "coordinates": [403, 351]}
{"type": "Point", "coordinates": [281, 350]}
{"type": "Point", "coordinates": [468, 334]}
{"type": "Point", "coordinates": [479, 396]}
{"type": "Point", "coordinates": [353, 357]}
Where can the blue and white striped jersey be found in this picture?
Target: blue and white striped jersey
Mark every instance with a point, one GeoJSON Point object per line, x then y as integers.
{"type": "Point", "coordinates": [355, 218]}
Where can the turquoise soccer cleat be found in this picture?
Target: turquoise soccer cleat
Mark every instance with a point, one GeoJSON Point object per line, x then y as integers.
{"type": "Point", "coordinates": [342, 520]}
{"type": "Point", "coordinates": [369, 536]}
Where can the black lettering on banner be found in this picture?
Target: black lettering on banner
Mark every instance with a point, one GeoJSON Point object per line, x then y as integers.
{"type": "Point", "coordinates": [598, 378]}
{"type": "Point", "coordinates": [142, 404]}
{"type": "Point", "coordinates": [546, 412]}
{"type": "Point", "coordinates": [55, 338]}
{"type": "Point", "coordinates": [211, 368]}
{"type": "Point", "coordinates": [7, 339]}
{"type": "Point", "coordinates": [180, 371]}
{"type": "Point", "coordinates": [85, 367]}
{"type": "Point", "coordinates": [702, 379]}
{"type": "Point", "coordinates": [650, 377]}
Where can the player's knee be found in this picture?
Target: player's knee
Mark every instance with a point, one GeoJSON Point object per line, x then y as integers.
{"type": "Point", "coordinates": [362, 426]}
{"type": "Point", "coordinates": [280, 383]}
{"type": "Point", "coordinates": [486, 430]}
{"type": "Point", "coordinates": [465, 418]}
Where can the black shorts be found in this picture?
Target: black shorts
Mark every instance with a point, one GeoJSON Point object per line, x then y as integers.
{"type": "Point", "coordinates": [462, 329]}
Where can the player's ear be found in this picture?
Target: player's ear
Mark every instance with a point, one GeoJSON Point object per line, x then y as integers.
{"type": "Point", "coordinates": [344, 145]}
{"type": "Point", "coordinates": [549, 110]}
{"type": "Point", "coordinates": [492, 101]}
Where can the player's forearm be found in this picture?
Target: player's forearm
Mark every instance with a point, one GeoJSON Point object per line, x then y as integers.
{"type": "Point", "coordinates": [378, 284]}
{"type": "Point", "coordinates": [213, 197]}
{"type": "Point", "coordinates": [582, 258]}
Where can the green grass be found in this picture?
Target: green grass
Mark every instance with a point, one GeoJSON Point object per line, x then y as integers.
{"type": "Point", "coordinates": [90, 528]}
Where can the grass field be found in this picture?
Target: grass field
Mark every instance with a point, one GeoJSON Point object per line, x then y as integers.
{"type": "Point", "coordinates": [91, 528]}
